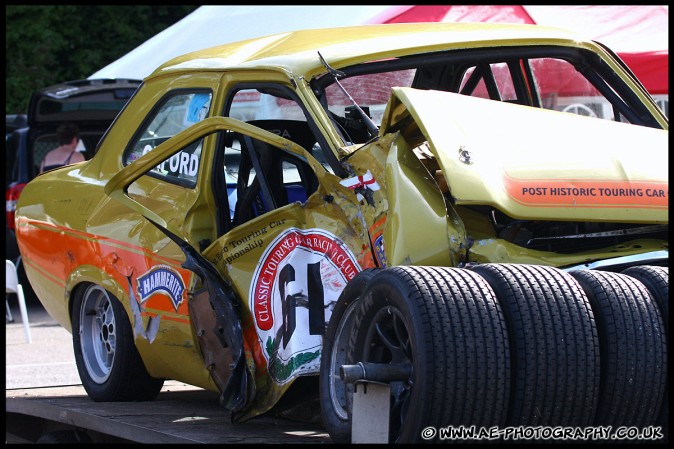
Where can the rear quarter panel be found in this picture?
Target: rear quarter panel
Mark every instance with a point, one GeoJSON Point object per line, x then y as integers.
{"type": "Point", "coordinates": [70, 233]}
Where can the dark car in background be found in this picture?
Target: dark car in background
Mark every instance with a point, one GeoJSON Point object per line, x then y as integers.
{"type": "Point", "coordinates": [14, 122]}
{"type": "Point", "coordinates": [92, 104]}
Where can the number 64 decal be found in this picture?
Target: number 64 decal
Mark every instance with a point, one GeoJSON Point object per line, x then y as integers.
{"type": "Point", "coordinates": [299, 277]}
{"type": "Point", "coordinates": [313, 301]}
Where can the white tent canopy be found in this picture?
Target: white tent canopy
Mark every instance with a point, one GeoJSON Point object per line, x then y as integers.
{"type": "Point", "coordinates": [639, 34]}
{"type": "Point", "coordinates": [211, 25]}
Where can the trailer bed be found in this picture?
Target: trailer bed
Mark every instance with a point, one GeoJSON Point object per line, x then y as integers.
{"type": "Point", "coordinates": [180, 414]}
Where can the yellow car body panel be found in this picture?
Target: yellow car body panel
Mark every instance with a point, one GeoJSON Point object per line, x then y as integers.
{"type": "Point", "coordinates": [294, 51]}
{"type": "Point", "coordinates": [111, 263]}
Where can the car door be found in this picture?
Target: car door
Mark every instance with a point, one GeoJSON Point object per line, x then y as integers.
{"type": "Point", "coordinates": [266, 286]}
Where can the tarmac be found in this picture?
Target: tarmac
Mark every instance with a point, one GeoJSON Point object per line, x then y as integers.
{"type": "Point", "coordinates": [47, 361]}
{"type": "Point", "coordinates": [47, 364]}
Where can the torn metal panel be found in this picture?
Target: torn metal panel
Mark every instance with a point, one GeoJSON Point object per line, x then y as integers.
{"type": "Point", "coordinates": [218, 357]}
{"type": "Point", "coordinates": [239, 388]}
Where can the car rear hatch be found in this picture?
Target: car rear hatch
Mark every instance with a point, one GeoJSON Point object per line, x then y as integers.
{"type": "Point", "coordinates": [81, 101]}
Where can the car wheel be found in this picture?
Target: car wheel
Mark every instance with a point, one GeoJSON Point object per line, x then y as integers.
{"type": "Point", "coordinates": [447, 325]}
{"type": "Point", "coordinates": [333, 391]}
{"type": "Point", "coordinates": [553, 342]}
{"type": "Point", "coordinates": [107, 360]}
{"type": "Point", "coordinates": [632, 344]}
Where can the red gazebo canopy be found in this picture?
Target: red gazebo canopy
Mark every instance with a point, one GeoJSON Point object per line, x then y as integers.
{"type": "Point", "coordinates": [638, 34]}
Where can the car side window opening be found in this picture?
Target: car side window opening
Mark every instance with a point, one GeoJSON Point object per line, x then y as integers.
{"type": "Point", "coordinates": [556, 83]}
{"type": "Point", "coordinates": [563, 88]}
{"type": "Point", "coordinates": [273, 109]}
{"type": "Point", "coordinates": [175, 114]}
{"type": "Point", "coordinates": [371, 92]}
{"type": "Point", "coordinates": [260, 177]}
{"type": "Point", "coordinates": [491, 81]}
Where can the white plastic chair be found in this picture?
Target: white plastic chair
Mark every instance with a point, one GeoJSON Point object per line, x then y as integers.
{"type": "Point", "coordinates": [12, 286]}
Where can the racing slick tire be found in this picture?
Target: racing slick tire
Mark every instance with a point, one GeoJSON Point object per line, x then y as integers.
{"type": "Point", "coordinates": [335, 402]}
{"type": "Point", "coordinates": [107, 360]}
{"type": "Point", "coordinates": [448, 326]}
{"type": "Point", "coordinates": [553, 343]}
{"type": "Point", "coordinates": [633, 348]}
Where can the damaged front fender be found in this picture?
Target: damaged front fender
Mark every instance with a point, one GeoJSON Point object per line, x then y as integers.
{"type": "Point", "coordinates": [420, 228]}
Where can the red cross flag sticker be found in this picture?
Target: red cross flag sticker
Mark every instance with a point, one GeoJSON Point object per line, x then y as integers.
{"type": "Point", "coordinates": [366, 181]}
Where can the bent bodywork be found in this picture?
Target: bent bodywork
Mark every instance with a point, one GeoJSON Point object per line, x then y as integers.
{"type": "Point", "coordinates": [433, 189]}
{"type": "Point", "coordinates": [447, 182]}
{"type": "Point", "coordinates": [518, 189]}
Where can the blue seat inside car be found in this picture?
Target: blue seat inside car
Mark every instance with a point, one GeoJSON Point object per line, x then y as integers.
{"type": "Point", "coordinates": [296, 193]}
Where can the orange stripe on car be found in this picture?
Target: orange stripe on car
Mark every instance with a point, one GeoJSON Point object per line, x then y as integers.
{"type": "Point", "coordinates": [75, 248]}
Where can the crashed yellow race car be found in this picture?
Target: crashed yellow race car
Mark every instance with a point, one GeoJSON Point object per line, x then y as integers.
{"type": "Point", "coordinates": [473, 216]}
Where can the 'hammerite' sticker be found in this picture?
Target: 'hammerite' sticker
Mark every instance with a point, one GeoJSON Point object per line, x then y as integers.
{"type": "Point", "coordinates": [161, 278]}
{"type": "Point", "coordinates": [294, 288]}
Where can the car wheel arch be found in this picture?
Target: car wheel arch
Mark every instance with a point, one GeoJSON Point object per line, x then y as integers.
{"type": "Point", "coordinates": [85, 275]}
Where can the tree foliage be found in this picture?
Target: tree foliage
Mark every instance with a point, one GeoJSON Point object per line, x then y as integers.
{"type": "Point", "coordinates": [48, 44]}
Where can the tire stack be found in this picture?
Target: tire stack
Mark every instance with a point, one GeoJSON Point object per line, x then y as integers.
{"type": "Point", "coordinates": [633, 349]}
{"type": "Point", "coordinates": [656, 280]}
{"type": "Point", "coordinates": [505, 345]}
{"type": "Point", "coordinates": [554, 345]}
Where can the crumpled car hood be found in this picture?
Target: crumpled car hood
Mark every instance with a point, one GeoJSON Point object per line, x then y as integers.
{"type": "Point", "coordinates": [535, 163]}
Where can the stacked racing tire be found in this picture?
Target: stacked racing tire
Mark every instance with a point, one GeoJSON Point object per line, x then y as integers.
{"type": "Point", "coordinates": [500, 346]}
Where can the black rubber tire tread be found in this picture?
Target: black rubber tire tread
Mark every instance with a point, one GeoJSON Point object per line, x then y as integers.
{"type": "Point", "coordinates": [129, 379]}
{"type": "Point", "coordinates": [339, 428]}
{"type": "Point", "coordinates": [633, 348]}
{"type": "Point", "coordinates": [656, 280]}
{"type": "Point", "coordinates": [554, 345]}
{"type": "Point", "coordinates": [461, 366]}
